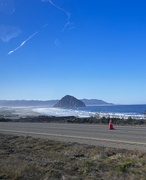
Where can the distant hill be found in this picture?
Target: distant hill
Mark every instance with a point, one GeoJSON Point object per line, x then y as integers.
{"type": "Point", "coordinates": [25, 103]}
{"type": "Point", "coordinates": [68, 102]}
{"type": "Point", "coordinates": [94, 102]}
{"type": "Point", "coordinates": [48, 103]}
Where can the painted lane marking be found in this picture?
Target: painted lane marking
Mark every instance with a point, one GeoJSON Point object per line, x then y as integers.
{"type": "Point", "coordinates": [75, 137]}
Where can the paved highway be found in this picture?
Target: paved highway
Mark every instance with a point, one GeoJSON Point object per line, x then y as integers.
{"type": "Point", "coordinates": [127, 137]}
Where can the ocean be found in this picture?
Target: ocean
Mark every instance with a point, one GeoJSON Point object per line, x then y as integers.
{"type": "Point", "coordinates": [120, 111]}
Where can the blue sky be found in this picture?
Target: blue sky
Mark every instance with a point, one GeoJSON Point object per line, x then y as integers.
{"type": "Point", "coordinates": [88, 49]}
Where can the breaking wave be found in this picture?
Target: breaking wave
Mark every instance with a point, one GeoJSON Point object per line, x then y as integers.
{"type": "Point", "coordinates": [123, 111]}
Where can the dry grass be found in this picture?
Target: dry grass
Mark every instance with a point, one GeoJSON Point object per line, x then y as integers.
{"type": "Point", "coordinates": [26, 158]}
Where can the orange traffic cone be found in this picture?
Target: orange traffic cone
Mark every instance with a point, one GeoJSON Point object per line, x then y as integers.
{"type": "Point", "coordinates": [110, 126]}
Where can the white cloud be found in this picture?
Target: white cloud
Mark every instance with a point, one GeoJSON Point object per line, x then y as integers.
{"type": "Point", "coordinates": [8, 32]}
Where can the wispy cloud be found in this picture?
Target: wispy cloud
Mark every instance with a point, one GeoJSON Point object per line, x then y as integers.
{"type": "Point", "coordinates": [8, 32]}
{"type": "Point", "coordinates": [23, 43]}
{"type": "Point", "coordinates": [45, 25]}
{"type": "Point", "coordinates": [68, 26]}
{"type": "Point", "coordinates": [61, 9]}
{"type": "Point", "coordinates": [7, 7]}
{"type": "Point", "coordinates": [57, 42]}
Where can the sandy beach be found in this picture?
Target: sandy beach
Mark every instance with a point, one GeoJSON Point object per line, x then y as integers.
{"type": "Point", "coordinates": [17, 112]}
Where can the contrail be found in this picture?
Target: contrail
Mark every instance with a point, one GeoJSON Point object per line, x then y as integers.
{"type": "Point", "coordinates": [22, 44]}
{"type": "Point", "coordinates": [29, 37]}
{"type": "Point", "coordinates": [67, 24]}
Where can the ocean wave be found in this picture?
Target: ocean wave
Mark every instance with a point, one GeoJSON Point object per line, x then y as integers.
{"type": "Point", "coordinates": [84, 114]}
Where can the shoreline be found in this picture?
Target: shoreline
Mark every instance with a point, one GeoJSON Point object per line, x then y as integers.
{"type": "Point", "coordinates": [25, 114]}
{"type": "Point", "coordinates": [65, 112]}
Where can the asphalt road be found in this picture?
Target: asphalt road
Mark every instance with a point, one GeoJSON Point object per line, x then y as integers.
{"type": "Point", "coordinates": [126, 137]}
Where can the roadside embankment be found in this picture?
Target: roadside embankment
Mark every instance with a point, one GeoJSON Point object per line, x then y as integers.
{"type": "Point", "coordinates": [30, 158]}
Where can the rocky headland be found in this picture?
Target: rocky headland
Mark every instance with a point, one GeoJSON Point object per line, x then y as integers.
{"type": "Point", "coordinates": [69, 102]}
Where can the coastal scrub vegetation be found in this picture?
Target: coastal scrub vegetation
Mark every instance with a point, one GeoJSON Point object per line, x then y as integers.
{"type": "Point", "coordinates": [72, 119]}
{"type": "Point", "coordinates": [23, 158]}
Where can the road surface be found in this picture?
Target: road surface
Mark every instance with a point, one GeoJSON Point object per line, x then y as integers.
{"type": "Point", "coordinates": [126, 137]}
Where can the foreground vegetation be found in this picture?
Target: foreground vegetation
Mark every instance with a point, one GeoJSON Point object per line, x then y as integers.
{"type": "Point", "coordinates": [72, 119]}
{"type": "Point", "coordinates": [23, 158]}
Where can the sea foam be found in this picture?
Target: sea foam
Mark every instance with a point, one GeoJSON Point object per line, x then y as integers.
{"type": "Point", "coordinates": [80, 113]}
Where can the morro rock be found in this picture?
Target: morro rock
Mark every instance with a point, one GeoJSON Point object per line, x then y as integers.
{"type": "Point", "coordinates": [69, 102]}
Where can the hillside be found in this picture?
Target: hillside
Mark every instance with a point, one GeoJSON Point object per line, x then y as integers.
{"type": "Point", "coordinates": [25, 103]}
{"type": "Point", "coordinates": [69, 101]}
{"type": "Point", "coordinates": [29, 158]}
{"type": "Point", "coordinates": [94, 102]}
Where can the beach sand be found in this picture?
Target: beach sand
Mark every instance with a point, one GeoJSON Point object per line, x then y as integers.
{"type": "Point", "coordinates": [17, 112]}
